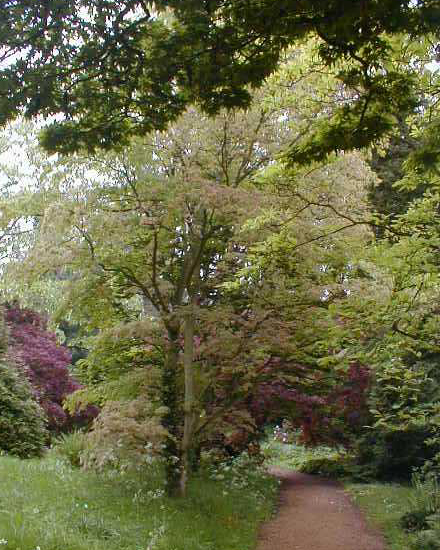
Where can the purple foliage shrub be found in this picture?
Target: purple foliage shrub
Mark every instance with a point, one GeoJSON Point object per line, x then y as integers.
{"type": "Point", "coordinates": [45, 364]}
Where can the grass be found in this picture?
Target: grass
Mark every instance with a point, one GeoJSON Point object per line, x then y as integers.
{"type": "Point", "coordinates": [47, 505]}
{"type": "Point", "coordinates": [384, 504]}
{"type": "Point", "coordinates": [295, 456]}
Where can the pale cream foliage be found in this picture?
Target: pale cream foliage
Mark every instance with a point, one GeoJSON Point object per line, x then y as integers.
{"type": "Point", "coordinates": [125, 434]}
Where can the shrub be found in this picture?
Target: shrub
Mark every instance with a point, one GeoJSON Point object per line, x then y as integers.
{"type": "Point", "coordinates": [304, 458]}
{"type": "Point", "coordinates": [125, 434]}
{"type": "Point", "coordinates": [424, 513]}
{"type": "Point", "coordinates": [327, 467]}
{"type": "Point", "coordinates": [71, 447]}
{"type": "Point", "coordinates": [285, 433]}
{"type": "Point", "coordinates": [45, 363]}
{"type": "Point", "coordinates": [427, 540]}
{"type": "Point", "coordinates": [415, 520]}
{"type": "Point", "coordinates": [426, 495]}
{"type": "Point", "coordinates": [22, 422]}
{"type": "Point", "coordinates": [431, 468]}
{"type": "Point", "coordinates": [394, 453]}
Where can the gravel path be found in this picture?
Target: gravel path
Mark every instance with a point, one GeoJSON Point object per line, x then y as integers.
{"type": "Point", "coordinates": [316, 514]}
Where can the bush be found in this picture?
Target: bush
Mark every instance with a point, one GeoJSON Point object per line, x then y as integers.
{"type": "Point", "coordinates": [427, 540]}
{"type": "Point", "coordinates": [431, 468]}
{"type": "Point", "coordinates": [46, 365]}
{"type": "Point", "coordinates": [22, 421]}
{"type": "Point", "coordinates": [327, 467]}
{"type": "Point", "coordinates": [424, 513]}
{"type": "Point", "coordinates": [415, 520]}
{"type": "Point", "coordinates": [426, 495]}
{"type": "Point", "coordinates": [71, 447]}
{"type": "Point", "coordinates": [394, 453]}
{"type": "Point", "coordinates": [126, 434]}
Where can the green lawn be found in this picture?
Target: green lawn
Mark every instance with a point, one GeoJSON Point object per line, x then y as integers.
{"type": "Point", "coordinates": [47, 505]}
{"type": "Point", "coordinates": [384, 504]}
{"type": "Point", "coordinates": [295, 455]}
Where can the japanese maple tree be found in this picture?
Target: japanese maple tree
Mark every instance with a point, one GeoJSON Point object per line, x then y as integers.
{"type": "Point", "coordinates": [46, 365]}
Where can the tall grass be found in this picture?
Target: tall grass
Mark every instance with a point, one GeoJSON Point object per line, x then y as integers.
{"type": "Point", "coordinates": [47, 505]}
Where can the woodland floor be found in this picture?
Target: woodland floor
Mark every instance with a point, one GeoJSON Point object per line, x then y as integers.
{"type": "Point", "coordinates": [316, 514]}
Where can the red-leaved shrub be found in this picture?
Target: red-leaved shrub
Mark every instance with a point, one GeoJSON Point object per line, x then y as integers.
{"type": "Point", "coordinates": [45, 363]}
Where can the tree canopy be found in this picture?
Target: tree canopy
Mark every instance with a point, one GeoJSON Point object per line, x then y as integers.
{"type": "Point", "coordinates": [221, 264]}
{"type": "Point", "coordinates": [111, 69]}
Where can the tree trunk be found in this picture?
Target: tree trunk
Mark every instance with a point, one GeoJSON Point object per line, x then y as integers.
{"type": "Point", "coordinates": [189, 404]}
{"type": "Point", "coordinates": [171, 420]}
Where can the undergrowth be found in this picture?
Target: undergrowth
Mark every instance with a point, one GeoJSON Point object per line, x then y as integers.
{"type": "Point", "coordinates": [295, 455]}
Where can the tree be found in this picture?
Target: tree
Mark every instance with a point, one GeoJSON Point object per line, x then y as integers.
{"type": "Point", "coordinates": [113, 69]}
{"type": "Point", "coordinates": [16, 229]}
{"type": "Point", "coordinates": [243, 281]}
{"type": "Point", "coordinates": [312, 264]}
{"type": "Point", "coordinates": [45, 364]}
{"type": "Point", "coordinates": [385, 197]}
{"type": "Point", "coordinates": [158, 236]}
{"type": "Point", "coordinates": [402, 152]}
{"type": "Point", "coordinates": [28, 177]}
{"type": "Point", "coordinates": [158, 222]}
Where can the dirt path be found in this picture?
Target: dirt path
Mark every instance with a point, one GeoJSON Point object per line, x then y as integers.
{"type": "Point", "coordinates": [316, 514]}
